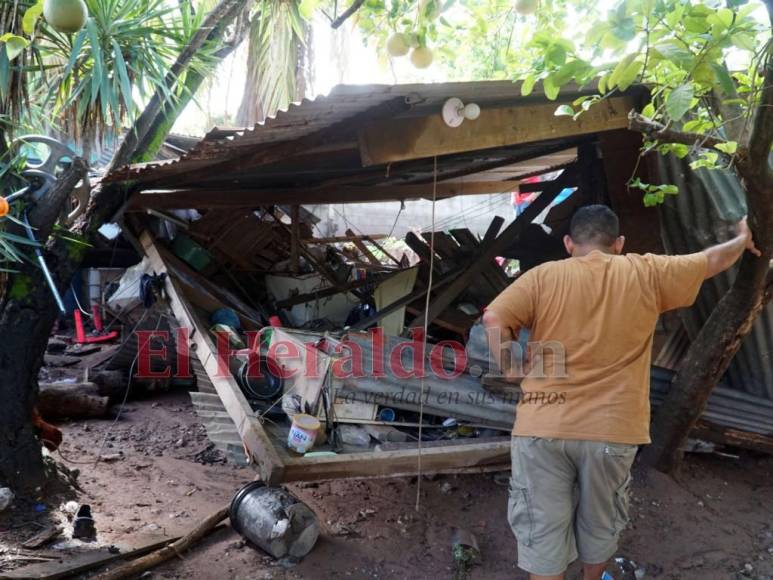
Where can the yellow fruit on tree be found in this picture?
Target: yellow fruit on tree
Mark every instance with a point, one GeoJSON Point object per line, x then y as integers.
{"type": "Point", "coordinates": [398, 44]}
{"type": "Point", "coordinates": [421, 57]}
{"type": "Point", "coordinates": [65, 15]}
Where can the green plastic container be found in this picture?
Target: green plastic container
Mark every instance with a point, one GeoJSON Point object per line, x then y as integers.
{"type": "Point", "coordinates": [191, 252]}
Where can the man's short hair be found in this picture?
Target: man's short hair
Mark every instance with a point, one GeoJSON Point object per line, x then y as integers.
{"type": "Point", "coordinates": [594, 224]}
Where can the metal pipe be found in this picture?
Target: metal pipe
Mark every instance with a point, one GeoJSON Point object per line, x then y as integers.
{"type": "Point", "coordinates": [42, 263]}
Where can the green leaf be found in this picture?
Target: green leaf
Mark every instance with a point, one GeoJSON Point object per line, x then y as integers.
{"type": "Point", "coordinates": [123, 76]}
{"type": "Point", "coordinates": [619, 69]}
{"type": "Point", "coordinates": [723, 17]}
{"type": "Point", "coordinates": [707, 160]}
{"type": "Point", "coordinates": [648, 110]}
{"type": "Point", "coordinates": [527, 86]}
{"type": "Point", "coordinates": [31, 17]}
{"type": "Point", "coordinates": [724, 78]}
{"type": "Point", "coordinates": [14, 45]}
{"type": "Point", "coordinates": [679, 101]}
{"type": "Point", "coordinates": [675, 52]}
{"type": "Point", "coordinates": [728, 147]}
{"type": "Point", "coordinates": [566, 72]}
{"type": "Point", "coordinates": [555, 55]}
{"type": "Point", "coordinates": [603, 83]}
{"type": "Point", "coordinates": [744, 41]}
{"type": "Point", "coordinates": [550, 88]}
{"type": "Point", "coordinates": [628, 76]}
{"type": "Point", "coordinates": [564, 110]}
{"type": "Point", "coordinates": [624, 29]}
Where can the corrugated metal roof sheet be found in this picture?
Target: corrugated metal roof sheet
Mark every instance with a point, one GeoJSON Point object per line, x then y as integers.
{"type": "Point", "coordinates": [343, 102]}
{"type": "Point", "coordinates": [709, 202]}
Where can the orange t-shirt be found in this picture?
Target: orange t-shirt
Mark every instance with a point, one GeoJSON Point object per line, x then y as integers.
{"type": "Point", "coordinates": [603, 309]}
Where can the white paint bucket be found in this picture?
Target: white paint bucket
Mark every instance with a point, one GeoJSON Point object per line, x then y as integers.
{"type": "Point", "coordinates": [303, 433]}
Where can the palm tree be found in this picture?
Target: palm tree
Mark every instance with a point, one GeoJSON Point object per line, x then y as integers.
{"type": "Point", "coordinates": [278, 60]}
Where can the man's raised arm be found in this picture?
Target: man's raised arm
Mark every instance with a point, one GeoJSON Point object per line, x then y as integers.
{"type": "Point", "coordinates": [722, 256]}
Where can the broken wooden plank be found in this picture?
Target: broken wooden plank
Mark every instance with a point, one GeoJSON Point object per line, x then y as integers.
{"type": "Point", "coordinates": [69, 564]}
{"type": "Point", "coordinates": [257, 442]}
{"type": "Point", "coordinates": [364, 250]}
{"type": "Point", "coordinates": [467, 457]}
{"type": "Point", "coordinates": [387, 141]}
{"type": "Point", "coordinates": [372, 279]}
{"type": "Point", "coordinates": [490, 248]}
{"type": "Point", "coordinates": [343, 239]}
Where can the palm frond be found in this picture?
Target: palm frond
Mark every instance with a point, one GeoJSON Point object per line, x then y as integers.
{"type": "Point", "coordinates": [278, 34]}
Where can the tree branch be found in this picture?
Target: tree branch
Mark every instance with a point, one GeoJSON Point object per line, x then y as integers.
{"type": "Point", "coordinates": [762, 132]}
{"type": "Point", "coordinates": [356, 5]}
{"type": "Point", "coordinates": [44, 213]}
{"type": "Point", "coordinates": [655, 130]}
{"type": "Point", "coordinates": [220, 16]}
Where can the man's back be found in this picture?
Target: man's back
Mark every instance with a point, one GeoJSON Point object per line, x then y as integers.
{"type": "Point", "coordinates": [596, 314]}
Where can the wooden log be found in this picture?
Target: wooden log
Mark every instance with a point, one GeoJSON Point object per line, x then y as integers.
{"type": "Point", "coordinates": [71, 400]}
{"type": "Point", "coordinates": [733, 437]}
{"type": "Point", "coordinates": [136, 567]}
{"type": "Point", "coordinates": [109, 383]}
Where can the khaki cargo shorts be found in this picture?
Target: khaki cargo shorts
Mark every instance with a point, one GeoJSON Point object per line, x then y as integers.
{"type": "Point", "coordinates": [568, 498]}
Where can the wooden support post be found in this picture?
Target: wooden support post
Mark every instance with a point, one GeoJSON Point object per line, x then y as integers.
{"type": "Point", "coordinates": [295, 217]}
{"type": "Point", "coordinates": [491, 247]}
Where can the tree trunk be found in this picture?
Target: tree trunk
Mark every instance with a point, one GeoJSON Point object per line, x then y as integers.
{"type": "Point", "coordinates": [28, 310]}
{"type": "Point", "coordinates": [706, 361]}
{"type": "Point", "coordinates": [720, 338]}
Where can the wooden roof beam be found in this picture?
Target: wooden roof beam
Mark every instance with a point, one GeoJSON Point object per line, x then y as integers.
{"type": "Point", "coordinates": [252, 198]}
{"type": "Point", "coordinates": [388, 141]}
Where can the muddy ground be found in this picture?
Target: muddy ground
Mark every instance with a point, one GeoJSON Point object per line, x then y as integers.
{"type": "Point", "coordinates": [716, 522]}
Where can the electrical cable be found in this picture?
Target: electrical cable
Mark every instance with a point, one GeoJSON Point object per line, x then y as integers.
{"type": "Point", "coordinates": [424, 335]}
{"type": "Point", "coordinates": [78, 302]}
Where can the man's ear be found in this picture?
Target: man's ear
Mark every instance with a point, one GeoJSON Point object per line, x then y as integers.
{"type": "Point", "coordinates": [568, 244]}
{"type": "Point", "coordinates": [617, 247]}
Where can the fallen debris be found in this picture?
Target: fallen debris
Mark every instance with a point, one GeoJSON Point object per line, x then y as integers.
{"type": "Point", "coordinates": [42, 538]}
{"type": "Point", "coordinates": [6, 498]}
{"type": "Point", "coordinates": [137, 567]}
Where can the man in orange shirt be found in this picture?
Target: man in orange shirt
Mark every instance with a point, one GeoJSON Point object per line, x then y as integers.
{"type": "Point", "coordinates": [585, 406]}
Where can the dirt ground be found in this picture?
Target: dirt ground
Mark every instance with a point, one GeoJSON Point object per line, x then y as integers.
{"type": "Point", "coordinates": [716, 522]}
